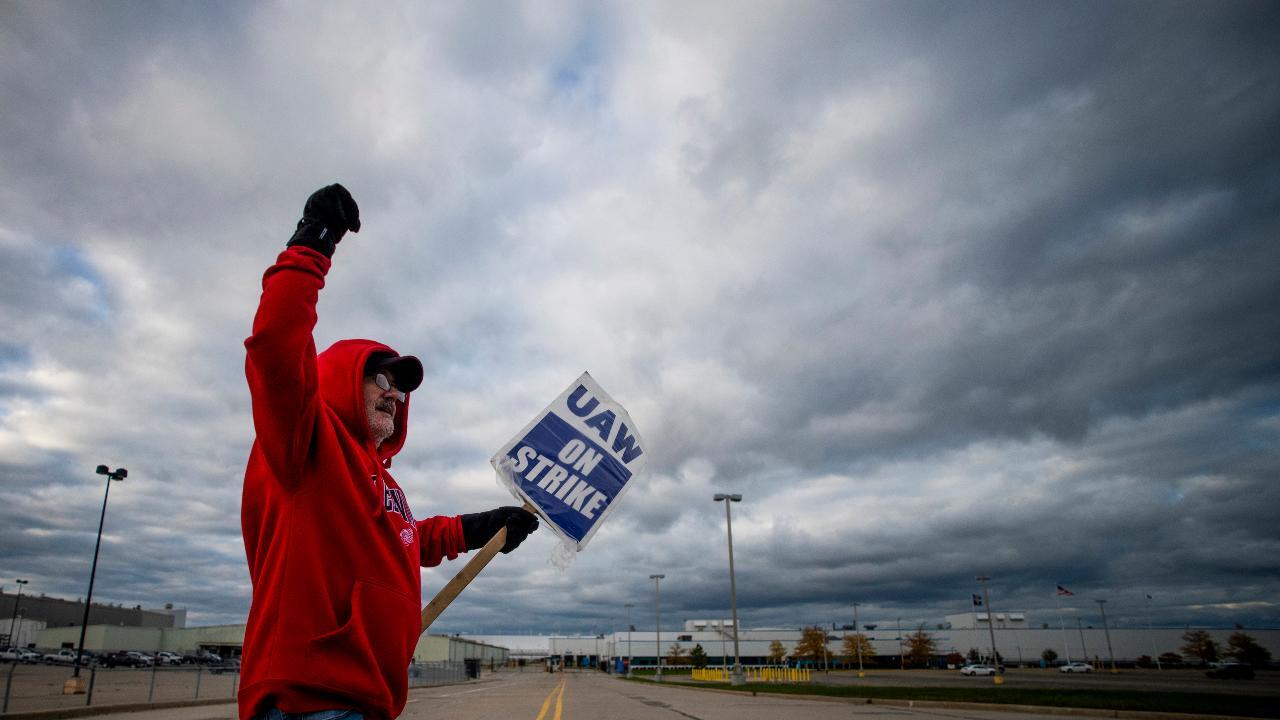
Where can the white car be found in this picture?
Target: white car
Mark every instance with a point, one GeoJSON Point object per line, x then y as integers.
{"type": "Point", "coordinates": [977, 670]}
{"type": "Point", "coordinates": [1076, 667]}
{"type": "Point", "coordinates": [62, 657]}
{"type": "Point", "coordinates": [167, 658]}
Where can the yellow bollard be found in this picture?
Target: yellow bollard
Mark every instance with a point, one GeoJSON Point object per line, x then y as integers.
{"type": "Point", "coordinates": [999, 679]}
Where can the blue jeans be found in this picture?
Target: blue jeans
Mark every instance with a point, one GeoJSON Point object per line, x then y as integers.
{"type": "Point", "coordinates": [275, 714]}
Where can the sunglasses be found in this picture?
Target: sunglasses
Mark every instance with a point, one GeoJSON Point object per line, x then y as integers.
{"type": "Point", "coordinates": [385, 385]}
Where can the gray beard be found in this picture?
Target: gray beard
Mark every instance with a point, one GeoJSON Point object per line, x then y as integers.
{"type": "Point", "coordinates": [381, 426]}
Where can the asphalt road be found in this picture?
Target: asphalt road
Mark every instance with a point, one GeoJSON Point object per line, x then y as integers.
{"type": "Point", "coordinates": [590, 695]}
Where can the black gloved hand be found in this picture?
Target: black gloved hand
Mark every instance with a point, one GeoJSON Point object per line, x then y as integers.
{"type": "Point", "coordinates": [479, 528]}
{"type": "Point", "coordinates": [329, 213]}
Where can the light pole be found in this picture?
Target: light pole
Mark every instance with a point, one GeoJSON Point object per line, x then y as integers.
{"type": "Point", "coordinates": [118, 474]}
{"type": "Point", "coordinates": [724, 651]}
{"type": "Point", "coordinates": [629, 606]}
{"type": "Point", "coordinates": [657, 627]}
{"type": "Point", "coordinates": [1151, 634]}
{"type": "Point", "coordinates": [1102, 605]}
{"type": "Point", "coordinates": [1083, 650]}
{"type": "Point", "coordinates": [902, 659]}
{"type": "Point", "coordinates": [735, 678]}
{"type": "Point", "coordinates": [16, 603]}
{"type": "Point", "coordinates": [857, 638]}
{"type": "Point", "coordinates": [991, 626]}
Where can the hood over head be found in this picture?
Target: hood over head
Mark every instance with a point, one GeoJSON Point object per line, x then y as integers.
{"type": "Point", "coordinates": [341, 375]}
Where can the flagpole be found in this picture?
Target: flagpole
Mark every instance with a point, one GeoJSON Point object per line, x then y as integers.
{"type": "Point", "coordinates": [1151, 634]}
{"type": "Point", "coordinates": [1062, 624]}
{"type": "Point", "coordinates": [1083, 650]}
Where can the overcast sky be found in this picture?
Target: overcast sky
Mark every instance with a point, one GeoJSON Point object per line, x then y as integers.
{"type": "Point", "coordinates": [943, 289]}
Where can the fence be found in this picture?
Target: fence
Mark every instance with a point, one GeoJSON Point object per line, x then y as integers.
{"type": "Point", "coordinates": [756, 675]}
{"type": "Point", "coordinates": [39, 687]}
{"type": "Point", "coordinates": [436, 673]}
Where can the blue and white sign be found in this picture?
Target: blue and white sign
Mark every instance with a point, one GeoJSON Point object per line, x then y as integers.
{"type": "Point", "coordinates": [574, 460]}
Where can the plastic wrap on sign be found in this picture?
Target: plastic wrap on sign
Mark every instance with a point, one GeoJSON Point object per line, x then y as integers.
{"type": "Point", "coordinates": [574, 460]}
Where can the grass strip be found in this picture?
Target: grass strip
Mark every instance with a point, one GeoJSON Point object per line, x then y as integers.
{"type": "Point", "coordinates": [1256, 706]}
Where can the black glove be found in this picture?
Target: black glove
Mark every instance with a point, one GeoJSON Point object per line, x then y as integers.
{"type": "Point", "coordinates": [329, 213]}
{"type": "Point", "coordinates": [479, 528]}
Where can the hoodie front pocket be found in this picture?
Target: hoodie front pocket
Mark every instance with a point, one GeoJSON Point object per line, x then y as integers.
{"type": "Point", "coordinates": [368, 656]}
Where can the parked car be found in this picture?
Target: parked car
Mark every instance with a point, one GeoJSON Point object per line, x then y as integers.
{"type": "Point", "coordinates": [226, 666]}
{"type": "Point", "coordinates": [62, 657]}
{"type": "Point", "coordinates": [11, 654]}
{"type": "Point", "coordinates": [208, 658]}
{"type": "Point", "coordinates": [168, 658]}
{"type": "Point", "coordinates": [1231, 670]}
{"type": "Point", "coordinates": [122, 658]}
{"type": "Point", "coordinates": [977, 670]}
{"type": "Point", "coordinates": [1076, 667]}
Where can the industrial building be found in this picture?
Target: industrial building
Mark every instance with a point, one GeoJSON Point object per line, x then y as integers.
{"type": "Point", "coordinates": [57, 612]}
{"type": "Point", "coordinates": [1016, 642]}
{"type": "Point", "coordinates": [227, 641]}
{"type": "Point", "coordinates": [51, 623]}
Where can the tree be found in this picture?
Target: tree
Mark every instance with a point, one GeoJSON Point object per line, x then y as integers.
{"type": "Point", "coordinates": [974, 657]}
{"type": "Point", "coordinates": [1246, 649]}
{"type": "Point", "coordinates": [676, 655]}
{"type": "Point", "coordinates": [777, 652]}
{"type": "Point", "coordinates": [856, 644]}
{"type": "Point", "coordinates": [812, 645]}
{"type": "Point", "coordinates": [698, 656]}
{"type": "Point", "coordinates": [1049, 656]}
{"type": "Point", "coordinates": [920, 648]}
{"type": "Point", "coordinates": [1199, 644]}
{"type": "Point", "coordinates": [1170, 658]}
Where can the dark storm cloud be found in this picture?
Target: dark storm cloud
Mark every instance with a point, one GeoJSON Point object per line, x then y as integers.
{"type": "Point", "coordinates": [1127, 190]}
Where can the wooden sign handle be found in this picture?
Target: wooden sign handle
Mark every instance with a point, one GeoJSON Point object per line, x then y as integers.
{"type": "Point", "coordinates": [454, 587]}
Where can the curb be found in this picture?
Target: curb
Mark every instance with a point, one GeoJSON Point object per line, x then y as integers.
{"type": "Point", "coordinates": [993, 707]}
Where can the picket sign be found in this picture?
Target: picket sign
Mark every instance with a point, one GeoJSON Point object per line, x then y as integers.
{"type": "Point", "coordinates": [569, 465]}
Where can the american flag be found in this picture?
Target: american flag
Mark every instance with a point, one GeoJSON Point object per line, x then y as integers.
{"type": "Point", "coordinates": [1064, 591]}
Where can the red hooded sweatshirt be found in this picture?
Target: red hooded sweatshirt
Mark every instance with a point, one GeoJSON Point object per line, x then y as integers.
{"type": "Point", "coordinates": [334, 551]}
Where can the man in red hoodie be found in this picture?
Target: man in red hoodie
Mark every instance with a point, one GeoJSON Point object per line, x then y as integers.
{"type": "Point", "coordinates": [334, 551]}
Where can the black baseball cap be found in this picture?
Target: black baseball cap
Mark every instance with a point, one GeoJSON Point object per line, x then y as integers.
{"type": "Point", "coordinates": [405, 369]}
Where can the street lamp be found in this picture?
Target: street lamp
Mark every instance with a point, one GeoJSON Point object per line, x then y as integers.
{"type": "Point", "coordinates": [1151, 637]}
{"type": "Point", "coordinates": [14, 619]}
{"type": "Point", "coordinates": [991, 626]}
{"type": "Point", "coordinates": [857, 637]}
{"type": "Point", "coordinates": [657, 628]}
{"type": "Point", "coordinates": [117, 474]}
{"type": "Point", "coordinates": [629, 606]}
{"type": "Point", "coordinates": [1102, 605]}
{"type": "Point", "coordinates": [735, 678]}
{"type": "Point", "coordinates": [902, 659]}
